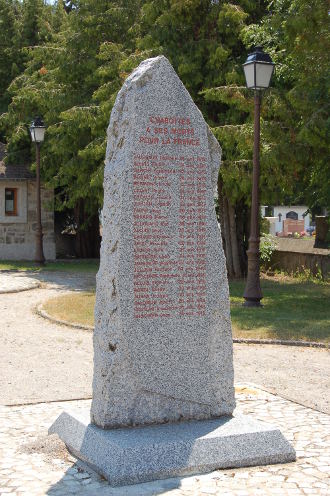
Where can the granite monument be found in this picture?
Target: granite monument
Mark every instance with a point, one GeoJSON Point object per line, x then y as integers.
{"type": "Point", "coordinates": [163, 388]}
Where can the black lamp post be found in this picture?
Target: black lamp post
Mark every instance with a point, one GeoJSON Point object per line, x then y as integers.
{"type": "Point", "coordinates": [37, 130]}
{"type": "Point", "coordinates": [258, 70]}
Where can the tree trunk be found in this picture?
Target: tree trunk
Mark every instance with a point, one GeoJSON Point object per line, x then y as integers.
{"type": "Point", "coordinates": [233, 241]}
{"type": "Point", "coordinates": [225, 232]}
{"type": "Point", "coordinates": [88, 237]}
{"type": "Point", "coordinates": [242, 219]}
{"type": "Point", "coordinates": [220, 214]}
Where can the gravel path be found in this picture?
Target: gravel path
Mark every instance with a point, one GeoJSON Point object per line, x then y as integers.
{"type": "Point", "coordinates": [39, 360]}
{"type": "Point", "coordinates": [42, 361]}
{"type": "Point", "coordinates": [296, 373]}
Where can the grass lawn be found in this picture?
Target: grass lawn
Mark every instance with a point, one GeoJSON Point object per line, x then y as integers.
{"type": "Point", "coordinates": [293, 310]}
{"type": "Point", "coordinates": [65, 265]}
{"type": "Point", "coordinates": [77, 308]}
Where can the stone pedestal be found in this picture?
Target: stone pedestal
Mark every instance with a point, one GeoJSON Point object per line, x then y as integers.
{"type": "Point", "coordinates": [129, 456]}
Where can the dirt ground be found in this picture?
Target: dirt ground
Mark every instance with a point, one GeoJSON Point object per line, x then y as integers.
{"type": "Point", "coordinates": [41, 361]}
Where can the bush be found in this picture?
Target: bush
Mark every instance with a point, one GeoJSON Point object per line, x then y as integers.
{"type": "Point", "coordinates": [267, 247]}
{"type": "Point", "coordinates": [264, 225]}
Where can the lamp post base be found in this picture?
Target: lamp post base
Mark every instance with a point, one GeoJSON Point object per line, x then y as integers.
{"type": "Point", "coordinates": [252, 303]}
{"type": "Point", "coordinates": [252, 293]}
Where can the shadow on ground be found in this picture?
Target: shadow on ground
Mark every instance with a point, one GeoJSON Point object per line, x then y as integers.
{"type": "Point", "coordinates": [66, 281]}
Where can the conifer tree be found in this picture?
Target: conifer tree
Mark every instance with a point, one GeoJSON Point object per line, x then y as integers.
{"type": "Point", "coordinates": [297, 35]}
{"type": "Point", "coordinates": [70, 59]}
{"type": "Point", "coordinates": [63, 81]}
{"type": "Point", "coordinates": [9, 49]}
{"type": "Point", "coordinates": [203, 41]}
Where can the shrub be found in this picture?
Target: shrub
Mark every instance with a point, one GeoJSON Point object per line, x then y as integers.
{"type": "Point", "coordinates": [267, 247]}
{"type": "Point", "coordinates": [264, 225]}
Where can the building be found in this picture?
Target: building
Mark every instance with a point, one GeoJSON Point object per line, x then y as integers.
{"type": "Point", "coordinates": [280, 213]}
{"type": "Point", "coordinates": [18, 213]}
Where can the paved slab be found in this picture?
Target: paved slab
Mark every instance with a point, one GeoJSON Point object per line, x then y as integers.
{"type": "Point", "coordinates": [175, 449]}
{"type": "Point", "coordinates": [33, 464]}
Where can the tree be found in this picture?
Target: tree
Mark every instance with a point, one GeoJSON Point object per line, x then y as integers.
{"type": "Point", "coordinates": [63, 82]}
{"type": "Point", "coordinates": [77, 55]}
{"type": "Point", "coordinates": [203, 41]}
{"type": "Point", "coordinates": [9, 49]}
{"type": "Point", "coordinates": [297, 35]}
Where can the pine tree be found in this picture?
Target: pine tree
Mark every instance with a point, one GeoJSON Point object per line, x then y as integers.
{"type": "Point", "coordinates": [71, 80]}
{"type": "Point", "coordinates": [76, 55]}
{"type": "Point", "coordinates": [9, 49]}
{"type": "Point", "coordinates": [203, 41]}
{"type": "Point", "coordinates": [297, 35]}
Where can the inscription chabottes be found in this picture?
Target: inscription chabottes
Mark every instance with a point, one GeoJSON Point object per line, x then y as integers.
{"type": "Point", "coordinates": [165, 286]}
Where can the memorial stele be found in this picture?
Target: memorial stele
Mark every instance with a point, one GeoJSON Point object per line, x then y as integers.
{"type": "Point", "coordinates": [163, 387]}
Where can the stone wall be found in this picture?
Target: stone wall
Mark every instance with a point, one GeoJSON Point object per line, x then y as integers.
{"type": "Point", "coordinates": [17, 234]}
{"type": "Point", "coordinates": [299, 262]}
{"type": "Point", "coordinates": [297, 255]}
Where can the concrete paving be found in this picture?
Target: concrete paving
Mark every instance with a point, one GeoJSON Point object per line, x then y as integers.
{"type": "Point", "coordinates": [34, 464]}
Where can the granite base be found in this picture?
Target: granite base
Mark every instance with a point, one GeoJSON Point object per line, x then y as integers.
{"type": "Point", "coordinates": [141, 454]}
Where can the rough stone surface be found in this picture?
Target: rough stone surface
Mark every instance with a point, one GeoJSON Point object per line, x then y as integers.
{"type": "Point", "coordinates": [130, 456]}
{"type": "Point", "coordinates": [162, 341]}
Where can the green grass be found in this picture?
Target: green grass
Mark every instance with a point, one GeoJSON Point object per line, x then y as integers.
{"type": "Point", "coordinates": [63, 266]}
{"type": "Point", "coordinates": [293, 310]}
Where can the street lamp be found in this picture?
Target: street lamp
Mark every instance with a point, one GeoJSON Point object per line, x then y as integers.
{"type": "Point", "coordinates": [258, 70]}
{"type": "Point", "coordinates": [37, 130]}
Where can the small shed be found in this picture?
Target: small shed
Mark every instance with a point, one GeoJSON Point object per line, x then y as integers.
{"type": "Point", "coordinates": [18, 214]}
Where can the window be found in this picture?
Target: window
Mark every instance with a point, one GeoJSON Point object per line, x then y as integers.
{"type": "Point", "coordinates": [11, 201]}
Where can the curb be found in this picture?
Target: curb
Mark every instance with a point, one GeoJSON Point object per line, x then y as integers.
{"type": "Point", "coordinates": [308, 344]}
{"type": "Point", "coordinates": [42, 313]}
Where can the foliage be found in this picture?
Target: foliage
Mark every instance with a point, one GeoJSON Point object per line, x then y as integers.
{"type": "Point", "coordinates": [296, 33]}
{"type": "Point", "coordinates": [267, 247]}
{"type": "Point", "coordinates": [67, 62]}
{"type": "Point", "coordinates": [8, 49]}
{"type": "Point", "coordinates": [72, 79]}
{"type": "Point", "coordinates": [264, 225]}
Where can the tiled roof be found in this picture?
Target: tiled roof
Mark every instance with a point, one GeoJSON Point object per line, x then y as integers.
{"type": "Point", "coordinates": [11, 171]}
